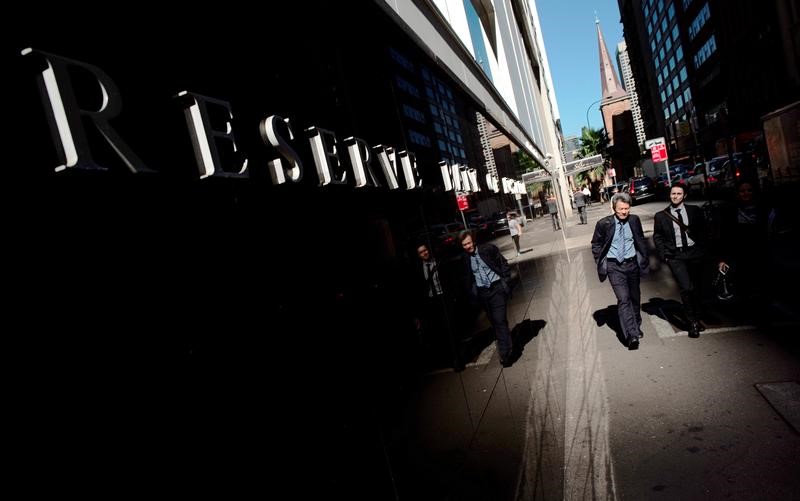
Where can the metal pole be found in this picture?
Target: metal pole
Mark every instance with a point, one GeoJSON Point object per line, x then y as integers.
{"type": "Point", "coordinates": [587, 112]}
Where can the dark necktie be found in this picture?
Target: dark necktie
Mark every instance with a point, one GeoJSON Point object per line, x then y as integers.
{"type": "Point", "coordinates": [433, 285]}
{"type": "Point", "coordinates": [682, 226]}
{"type": "Point", "coordinates": [621, 241]}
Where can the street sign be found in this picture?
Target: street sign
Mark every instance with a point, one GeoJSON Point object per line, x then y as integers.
{"type": "Point", "coordinates": [463, 202]}
{"type": "Point", "coordinates": [659, 152]}
{"type": "Point", "coordinates": [651, 142]}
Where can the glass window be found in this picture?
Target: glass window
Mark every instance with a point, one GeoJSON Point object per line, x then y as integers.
{"type": "Point", "coordinates": [652, 46]}
{"type": "Point", "coordinates": [676, 83]}
{"type": "Point", "coordinates": [658, 36]}
{"type": "Point", "coordinates": [418, 138]}
{"type": "Point", "coordinates": [660, 5]}
{"type": "Point", "coordinates": [699, 21]}
{"type": "Point", "coordinates": [660, 80]}
{"type": "Point", "coordinates": [663, 96]}
{"type": "Point", "coordinates": [437, 127]}
{"type": "Point", "coordinates": [668, 43]}
{"type": "Point", "coordinates": [664, 25]}
{"type": "Point", "coordinates": [646, 11]}
{"type": "Point", "coordinates": [672, 108]}
{"type": "Point", "coordinates": [413, 113]}
{"type": "Point", "coordinates": [406, 86]}
{"type": "Point", "coordinates": [705, 51]}
{"type": "Point", "coordinates": [669, 90]}
{"type": "Point", "coordinates": [671, 11]}
{"type": "Point", "coordinates": [679, 101]}
{"type": "Point", "coordinates": [683, 74]}
{"type": "Point", "coordinates": [666, 112]}
{"type": "Point", "coordinates": [664, 72]}
{"type": "Point", "coordinates": [661, 53]}
{"type": "Point", "coordinates": [442, 146]}
{"type": "Point", "coordinates": [687, 95]}
{"type": "Point", "coordinates": [655, 62]}
{"type": "Point", "coordinates": [675, 33]}
{"type": "Point", "coordinates": [650, 28]}
{"type": "Point", "coordinates": [434, 109]}
{"type": "Point", "coordinates": [671, 63]}
{"type": "Point", "coordinates": [679, 53]}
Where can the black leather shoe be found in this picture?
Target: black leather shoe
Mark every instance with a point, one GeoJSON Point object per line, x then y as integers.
{"type": "Point", "coordinates": [641, 334]}
{"type": "Point", "coordinates": [694, 330]}
{"type": "Point", "coordinates": [633, 345]}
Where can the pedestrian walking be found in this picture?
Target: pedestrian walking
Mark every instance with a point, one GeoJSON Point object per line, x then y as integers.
{"type": "Point", "coordinates": [679, 234]}
{"type": "Point", "coordinates": [435, 310]}
{"type": "Point", "coordinates": [515, 228]}
{"type": "Point", "coordinates": [588, 193]}
{"type": "Point", "coordinates": [552, 209]}
{"type": "Point", "coordinates": [487, 277]}
{"type": "Point", "coordinates": [620, 251]}
{"type": "Point", "coordinates": [580, 204]}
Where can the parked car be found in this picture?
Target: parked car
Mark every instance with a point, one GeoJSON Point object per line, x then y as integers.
{"type": "Point", "coordinates": [641, 188]}
{"type": "Point", "coordinates": [707, 174]}
{"type": "Point", "coordinates": [500, 223]}
{"type": "Point", "coordinates": [614, 188]}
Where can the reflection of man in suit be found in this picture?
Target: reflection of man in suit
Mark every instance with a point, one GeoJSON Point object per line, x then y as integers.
{"type": "Point", "coordinates": [435, 308]}
{"type": "Point", "coordinates": [620, 251]}
{"type": "Point", "coordinates": [678, 233]}
{"type": "Point", "coordinates": [552, 209]}
{"type": "Point", "coordinates": [580, 204]}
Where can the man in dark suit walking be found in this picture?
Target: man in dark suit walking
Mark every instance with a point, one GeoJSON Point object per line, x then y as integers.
{"type": "Point", "coordinates": [487, 277]}
{"type": "Point", "coordinates": [679, 234]}
{"type": "Point", "coordinates": [620, 251]}
{"type": "Point", "coordinates": [435, 310]}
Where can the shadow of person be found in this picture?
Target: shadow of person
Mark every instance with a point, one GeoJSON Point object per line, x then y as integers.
{"type": "Point", "coordinates": [610, 316]}
{"type": "Point", "coordinates": [469, 348]}
{"type": "Point", "coordinates": [667, 309]}
{"type": "Point", "coordinates": [522, 334]}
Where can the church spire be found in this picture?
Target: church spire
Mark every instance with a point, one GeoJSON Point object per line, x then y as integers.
{"type": "Point", "coordinates": [608, 76]}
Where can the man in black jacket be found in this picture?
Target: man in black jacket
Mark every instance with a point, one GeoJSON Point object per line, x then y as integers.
{"type": "Point", "coordinates": [679, 234]}
{"type": "Point", "coordinates": [488, 280]}
{"type": "Point", "coordinates": [620, 251]}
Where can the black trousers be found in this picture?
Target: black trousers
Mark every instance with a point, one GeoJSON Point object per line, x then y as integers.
{"type": "Point", "coordinates": [687, 268]}
{"type": "Point", "coordinates": [624, 279]}
{"type": "Point", "coordinates": [494, 301]}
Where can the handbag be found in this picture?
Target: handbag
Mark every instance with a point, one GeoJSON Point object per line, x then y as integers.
{"type": "Point", "coordinates": [723, 286]}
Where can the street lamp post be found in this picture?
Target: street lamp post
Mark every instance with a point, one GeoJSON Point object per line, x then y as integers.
{"type": "Point", "coordinates": [587, 112]}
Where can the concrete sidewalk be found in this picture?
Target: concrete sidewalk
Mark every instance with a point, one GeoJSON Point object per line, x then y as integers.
{"type": "Point", "coordinates": [581, 417]}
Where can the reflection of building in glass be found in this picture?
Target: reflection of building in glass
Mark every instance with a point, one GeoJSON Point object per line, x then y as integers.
{"type": "Point", "coordinates": [292, 252]}
{"type": "Point", "coordinates": [486, 145]}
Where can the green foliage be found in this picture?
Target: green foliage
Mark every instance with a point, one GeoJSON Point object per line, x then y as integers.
{"type": "Point", "coordinates": [593, 141]}
{"type": "Point", "coordinates": [525, 163]}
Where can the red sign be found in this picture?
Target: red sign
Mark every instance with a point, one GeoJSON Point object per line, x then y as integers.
{"type": "Point", "coordinates": [659, 152]}
{"type": "Point", "coordinates": [463, 203]}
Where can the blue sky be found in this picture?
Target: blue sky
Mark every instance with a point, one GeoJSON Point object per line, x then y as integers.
{"type": "Point", "coordinates": [571, 43]}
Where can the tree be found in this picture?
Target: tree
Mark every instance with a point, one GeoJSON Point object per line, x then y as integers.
{"type": "Point", "coordinates": [525, 163]}
{"type": "Point", "coordinates": [593, 142]}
